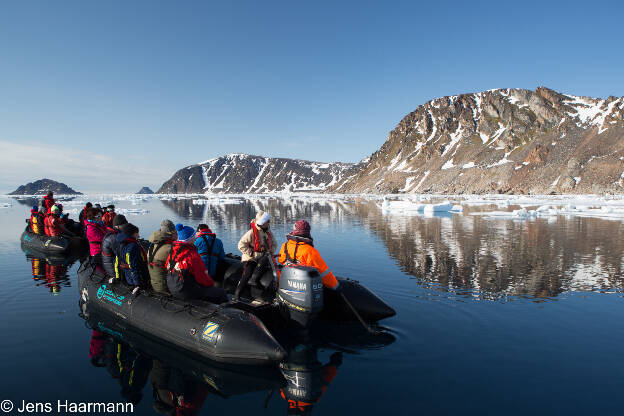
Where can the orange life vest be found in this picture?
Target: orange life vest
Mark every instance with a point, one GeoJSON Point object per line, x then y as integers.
{"type": "Point", "coordinates": [37, 224]}
{"type": "Point", "coordinates": [304, 254]}
{"type": "Point", "coordinates": [52, 225]}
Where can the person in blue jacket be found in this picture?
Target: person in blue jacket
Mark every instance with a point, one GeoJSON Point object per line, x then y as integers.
{"type": "Point", "coordinates": [131, 260]}
{"type": "Point", "coordinates": [209, 247]}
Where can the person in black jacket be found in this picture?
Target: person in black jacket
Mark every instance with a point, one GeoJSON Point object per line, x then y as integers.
{"type": "Point", "coordinates": [131, 259]}
{"type": "Point", "coordinates": [110, 246]}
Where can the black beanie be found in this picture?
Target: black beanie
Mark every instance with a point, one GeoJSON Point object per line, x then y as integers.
{"type": "Point", "coordinates": [119, 219]}
{"type": "Point", "coordinates": [129, 229]}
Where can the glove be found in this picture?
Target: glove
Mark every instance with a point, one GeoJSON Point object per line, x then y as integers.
{"type": "Point", "coordinates": [336, 358]}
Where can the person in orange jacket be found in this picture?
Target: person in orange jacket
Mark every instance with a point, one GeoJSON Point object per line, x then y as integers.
{"type": "Point", "coordinates": [299, 250]}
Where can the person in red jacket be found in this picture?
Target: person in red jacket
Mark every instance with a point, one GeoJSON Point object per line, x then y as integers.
{"type": "Point", "coordinates": [53, 224]}
{"type": "Point", "coordinates": [47, 202]}
{"type": "Point", "coordinates": [187, 277]}
{"type": "Point", "coordinates": [109, 215]}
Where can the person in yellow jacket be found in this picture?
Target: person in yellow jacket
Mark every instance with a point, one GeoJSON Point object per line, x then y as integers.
{"type": "Point", "coordinates": [255, 245]}
{"type": "Point", "coordinates": [299, 249]}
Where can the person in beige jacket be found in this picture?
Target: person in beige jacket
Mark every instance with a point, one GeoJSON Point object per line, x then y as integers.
{"type": "Point", "coordinates": [256, 242]}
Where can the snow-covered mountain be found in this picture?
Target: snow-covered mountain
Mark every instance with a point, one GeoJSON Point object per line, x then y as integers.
{"type": "Point", "coordinates": [503, 140]}
{"type": "Point", "coordinates": [241, 173]}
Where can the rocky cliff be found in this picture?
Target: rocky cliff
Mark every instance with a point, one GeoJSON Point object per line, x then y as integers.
{"type": "Point", "coordinates": [504, 140]}
{"type": "Point", "coordinates": [241, 173]}
{"type": "Point", "coordinates": [42, 186]}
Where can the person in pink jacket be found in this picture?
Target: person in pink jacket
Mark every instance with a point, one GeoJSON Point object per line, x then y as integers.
{"type": "Point", "coordinates": [96, 230]}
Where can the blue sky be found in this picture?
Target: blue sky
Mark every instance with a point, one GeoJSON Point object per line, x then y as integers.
{"type": "Point", "coordinates": [119, 94]}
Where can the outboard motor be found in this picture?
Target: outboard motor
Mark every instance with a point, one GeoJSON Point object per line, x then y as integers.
{"type": "Point", "coordinates": [300, 294]}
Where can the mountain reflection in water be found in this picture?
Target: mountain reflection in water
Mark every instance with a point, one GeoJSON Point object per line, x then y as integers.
{"type": "Point", "coordinates": [467, 255]}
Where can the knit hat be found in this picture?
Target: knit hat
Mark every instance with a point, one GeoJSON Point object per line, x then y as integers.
{"type": "Point", "coordinates": [35, 208]}
{"type": "Point", "coordinates": [54, 208]}
{"type": "Point", "coordinates": [185, 233]}
{"type": "Point", "coordinates": [301, 228]}
{"type": "Point", "coordinates": [119, 219]}
{"type": "Point", "coordinates": [128, 229]}
{"type": "Point", "coordinates": [111, 206]}
{"type": "Point", "coordinates": [262, 218]}
{"type": "Point", "coordinates": [166, 226]}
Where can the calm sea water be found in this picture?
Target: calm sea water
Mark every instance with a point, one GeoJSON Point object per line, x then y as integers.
{"type": "Point", "coordinates": [493, 316]}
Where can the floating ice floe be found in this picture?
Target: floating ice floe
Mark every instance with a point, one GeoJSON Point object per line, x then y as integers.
{"type": "Point", "coordinates": [5, 205]}
{"type": "Point", "coordinates": [132, 211]}
{"type": "Point", "coordinates": [551, 211]}
{"type": "Point", "coordinates": [407, 206]}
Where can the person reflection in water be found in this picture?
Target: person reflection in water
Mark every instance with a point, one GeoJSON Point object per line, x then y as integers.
{"type": "Point", "coordinates": [55, 274]}
{"type": "Point", "coordinates": [129, 367]}
{"type": "Point", "coordinates": [174, 393]}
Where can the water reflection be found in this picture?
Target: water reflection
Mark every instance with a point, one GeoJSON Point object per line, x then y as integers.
{"type": "Point", "coordinates": [181, 384]}
{"type": "Point", "coordinates": [468, 255]}
{"type": "Point", "coordinates": [494, 259]}
{"type": "Point", "coordinates": [49, 271]}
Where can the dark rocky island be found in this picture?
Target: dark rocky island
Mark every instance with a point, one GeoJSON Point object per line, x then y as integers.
{"type": "Point", "coordinates": [42, 186]}
{"type": "Point", "coordinates": [145, 191]}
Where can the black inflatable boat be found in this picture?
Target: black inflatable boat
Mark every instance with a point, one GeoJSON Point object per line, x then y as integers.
{"type": "Point", "coordinates": [218, 332]}
{"type": "Point", "coordinates": [59, 245]}
{"type": "Point", "coordinates": [223, 379]}
{"type": "Point", "coordinates": [235, 332]}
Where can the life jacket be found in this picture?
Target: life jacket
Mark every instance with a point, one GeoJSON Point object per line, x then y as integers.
{"type": "Point", "coordinates": [309, 257]}
{"type": "Point", "coordinates": [257, 241]}
{"type": "Point", "coordinates": [37, 223]}
{"type": "Point", "coordinates": [47, 203]}
{"type": "Point", "coordinates": [153, 249]}
{"type": "Point", "coordinates": [298, 241]}
{"type": "Point", "coordinates": [108, 217]}
{"type": "Point", "coordinates": [52, 225]}
{"type": "Point", "coordinates": [209, 246]}
{"type": "Point", "coordinates": [173, 266]}
{"type": "Point", "coordinates": [121, 263]}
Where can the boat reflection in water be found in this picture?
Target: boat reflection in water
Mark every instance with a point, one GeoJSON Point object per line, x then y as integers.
{"type": "Point", "coordinates": [181, 383]}
{"type": "Point", "coordinates": [50, 272]}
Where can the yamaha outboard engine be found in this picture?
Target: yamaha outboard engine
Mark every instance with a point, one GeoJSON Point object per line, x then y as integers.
{"type": "Point", "coordinates": [300, 294]}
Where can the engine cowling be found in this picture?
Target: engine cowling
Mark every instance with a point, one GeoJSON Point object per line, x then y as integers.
{"type": "Point", "coordinates": [300, 294]}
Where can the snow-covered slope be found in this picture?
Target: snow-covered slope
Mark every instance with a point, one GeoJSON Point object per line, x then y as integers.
{"type": "Point", "coordinates": [505, 140]}
{"type": "Point", "coordinates": [241, 173]}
